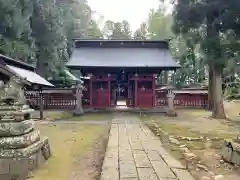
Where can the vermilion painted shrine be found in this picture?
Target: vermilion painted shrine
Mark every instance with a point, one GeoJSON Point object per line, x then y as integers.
{"type": "Point", "coordinates": [121, 70]}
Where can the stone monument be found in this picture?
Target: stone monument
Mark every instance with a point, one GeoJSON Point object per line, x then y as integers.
{"type": "Point", "coordinates": [21, 147]}
{"type": "Point", "coordinates": [170, 100]}
{"type": "Point", "coordinates": [78, 94]}
{"type": "Point", "coordinates": [231, 151]}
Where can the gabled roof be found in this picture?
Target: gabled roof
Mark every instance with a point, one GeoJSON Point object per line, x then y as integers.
{"type": "Point", "coordinates": [16, 63]}
{"type": "Point", "coordinates": [14, 67]}
{"type": "Point", "coordinates": [122, 53]}
{"type": "Point", "coordinates": [30, 76]}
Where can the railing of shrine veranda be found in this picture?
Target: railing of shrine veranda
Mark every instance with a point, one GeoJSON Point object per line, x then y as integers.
{"type": "Point", "coordinates": [64, 99]}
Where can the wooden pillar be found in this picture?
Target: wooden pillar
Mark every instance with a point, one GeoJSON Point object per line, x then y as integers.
{"type": "Point", "coordinates": [90, 91]}
{"type": "Point", "coordinates": [109, 90]}
{"type": "Point", "coordinates": [41, 103]}
{"type": "Point", "coordinates": [136, 91]}
{"type": "Point", "coordinates": [154, 90]}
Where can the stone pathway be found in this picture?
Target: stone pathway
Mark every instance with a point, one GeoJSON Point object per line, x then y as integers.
{"type": "Point", "coordinates": [135, 153]}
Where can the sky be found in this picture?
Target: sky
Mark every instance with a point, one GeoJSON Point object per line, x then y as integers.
{"type": "Point", "coordinates": [135, 12]}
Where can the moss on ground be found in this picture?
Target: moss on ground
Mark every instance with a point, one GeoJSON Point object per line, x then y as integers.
{"type": "Point", "coordinates": [92, 117]}
{"type": "Point", "coordinates": [177, 130]}
{"type": "Point", "coordinates": [56, 115]}
{"type": "Point", "coordinates": [68, 142]}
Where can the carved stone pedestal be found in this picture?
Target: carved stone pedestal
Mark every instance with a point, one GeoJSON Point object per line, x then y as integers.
{"type": "Point", "coordinates": [18, 163]}
{"type": "Point", "coordinates": [21, 147]}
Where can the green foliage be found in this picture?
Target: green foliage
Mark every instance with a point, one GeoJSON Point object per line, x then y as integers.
{"type": "Point", "coordinates": [141, 33]}
{"type": "Point", "coordinates": [15, 31]}
{"type": "Point", "coordinates": [117, 30]}
{"type": "Point", "coordinates": [232, 90]}
{"type": "Point", "coordinates": [40, 32]}
{"type": "Point", "coordinates": [159, 25]}
{"type": "Point", "coordinates": [213, 25]}
{"type": "Point", "coordinates": [211, 20]}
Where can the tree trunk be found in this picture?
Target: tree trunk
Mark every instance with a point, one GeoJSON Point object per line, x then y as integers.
{"type": "Point", "coordinates": [165, 77]}
{"type": "Point", "coordinates": [218, 108]}
{"type": "Point", "coordinates": [210, 88]}
{"type": "Point", "coordinates": [41, 68]}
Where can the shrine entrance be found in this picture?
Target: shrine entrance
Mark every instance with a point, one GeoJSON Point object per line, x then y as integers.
{"type": "Point", "coordinates": [121, 88]}
{"type": "Point", "coordinates": [137, 91]}
{"type": "Point", "coordinates": [121, 94]}
{"type": "Point", "coordinates": [121, 72]}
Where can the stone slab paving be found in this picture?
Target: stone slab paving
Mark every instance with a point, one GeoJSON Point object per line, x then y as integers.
{"type": "Point", "coordinates": [135, 153]}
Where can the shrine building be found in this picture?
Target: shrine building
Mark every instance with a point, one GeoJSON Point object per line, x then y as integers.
{"type": "Point", "coordinates": [123, 70]}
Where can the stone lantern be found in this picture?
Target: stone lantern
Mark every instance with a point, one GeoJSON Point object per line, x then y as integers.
{"type": "Point", "coordinates": [78, 90]}
{"type": "Point", "coordinates": [170, 99]}
{"type": "Point", "coordinates": [22, 149]}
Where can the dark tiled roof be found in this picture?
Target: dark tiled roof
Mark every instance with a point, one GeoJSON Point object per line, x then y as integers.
{"type": "Point", "coordinates": [122, 57]}
{"type": "Point", "coordinates": [122, 53]}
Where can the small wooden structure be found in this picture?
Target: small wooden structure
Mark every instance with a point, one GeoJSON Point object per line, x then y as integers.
{"type": "Point", "coordinates": [10, 67]}
{"type": "Point", "coordinates": [121, 70]}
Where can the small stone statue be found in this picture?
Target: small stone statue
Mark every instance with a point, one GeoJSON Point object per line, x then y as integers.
{"type": "Point", "coordinates": [12, 93]}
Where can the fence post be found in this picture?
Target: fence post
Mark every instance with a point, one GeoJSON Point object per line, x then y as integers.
{"type": "Point", "coordinates": [41, 103]}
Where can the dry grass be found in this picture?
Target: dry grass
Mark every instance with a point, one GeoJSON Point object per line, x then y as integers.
{"type": "Point", "coordinates": [60, 115]}
{"type": "Point", "coordinates": [69, 142]}
{"type": "Point", "coordinates": [193, 123]}
{"type": "Point", "coordinates": [56, 115]}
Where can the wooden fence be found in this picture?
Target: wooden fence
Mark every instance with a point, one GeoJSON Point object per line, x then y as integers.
{"type": "Point", "coordinates": [65, 99]}
{"type": "Point", "coordinates": [57, 99]}
{"type": "Point", "coordinates": [184, 98]}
